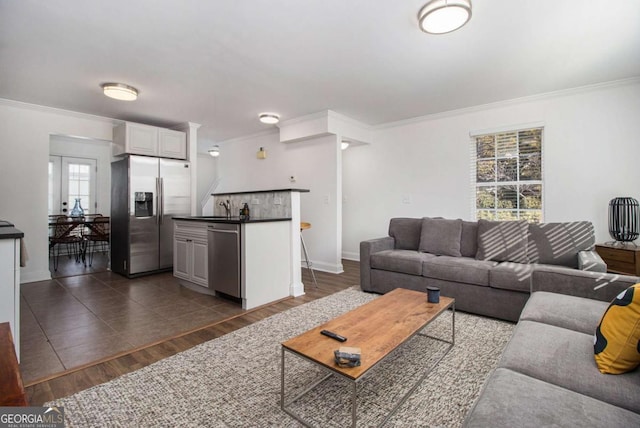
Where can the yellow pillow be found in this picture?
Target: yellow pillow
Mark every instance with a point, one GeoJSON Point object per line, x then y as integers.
{"type": "Point", "coordinates": [617, 338]}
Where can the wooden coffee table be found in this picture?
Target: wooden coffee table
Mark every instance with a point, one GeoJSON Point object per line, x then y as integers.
{"type": "Point", "coordinates": [378, 328]}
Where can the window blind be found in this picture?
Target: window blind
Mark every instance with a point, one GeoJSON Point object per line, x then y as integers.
{"type": "Point", "coordinates": [506, 174]}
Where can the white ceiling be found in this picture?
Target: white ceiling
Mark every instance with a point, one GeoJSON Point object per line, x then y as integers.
{"type": "Point", "coordinates": [221, 62]}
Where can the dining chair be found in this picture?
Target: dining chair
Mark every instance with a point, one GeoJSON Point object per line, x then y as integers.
{"type": "Point", "coordinates": [63, 233]}
{"type": "Point", "coordinates": [98, 235]}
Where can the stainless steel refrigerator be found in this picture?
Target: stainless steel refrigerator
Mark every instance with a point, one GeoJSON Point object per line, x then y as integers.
{"type": "Point", "coordinates": [146, 193]}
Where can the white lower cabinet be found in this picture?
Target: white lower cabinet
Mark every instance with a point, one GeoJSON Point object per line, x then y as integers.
{"type": "Point", "coordinates": [10, 287]}
{"type": "Point", "coordinates": [200, 263]}
{"type": "Point", "coordinates": [190, 256]}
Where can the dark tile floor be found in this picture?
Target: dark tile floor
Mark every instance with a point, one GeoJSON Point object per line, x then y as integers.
{"type": "Point", "coordinates": [71, 321]}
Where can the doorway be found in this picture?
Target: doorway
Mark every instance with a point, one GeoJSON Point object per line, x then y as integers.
{"type": "Point", "coordinates": [79, 168]}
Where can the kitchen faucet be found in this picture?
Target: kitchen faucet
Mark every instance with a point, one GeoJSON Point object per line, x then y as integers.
{"type": "Point", "coordinates": [227, 207]}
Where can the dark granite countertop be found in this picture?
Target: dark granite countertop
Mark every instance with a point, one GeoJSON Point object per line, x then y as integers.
{"type": "Point", "coordinates": [261, 191]}
{"type": "Point", "coordinates": [232, 220]}
{"type": "Point", "coordinates": [7, 231]}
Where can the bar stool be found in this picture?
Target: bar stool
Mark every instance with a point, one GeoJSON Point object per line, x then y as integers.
{"type": "Point", "coordinates": [303, 226]}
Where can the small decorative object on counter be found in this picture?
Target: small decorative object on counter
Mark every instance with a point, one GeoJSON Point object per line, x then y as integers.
{"type": "Point", "coordinates": [433, 295]}
{"type": "Point", "coordinates": [77, 210]}
{"type": "Point", "coordinates": [347, 356]}
{"type": "Point", "coordinates": [245, 212]}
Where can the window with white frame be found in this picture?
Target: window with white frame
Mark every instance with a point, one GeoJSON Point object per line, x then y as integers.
{"type": "Point", "coordinates": [507, 167]}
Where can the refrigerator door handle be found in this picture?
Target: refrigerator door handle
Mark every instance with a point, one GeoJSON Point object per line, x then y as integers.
{"type": "Point", "coordinates": [161, 202]}
{"type": "Point", "coordinates": [157, 200]}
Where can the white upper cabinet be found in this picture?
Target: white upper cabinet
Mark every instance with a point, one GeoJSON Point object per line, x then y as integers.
{"type": "Point", "coordinates": [172, 144]}
{"type": "Point", "coordinates": [138, 139]}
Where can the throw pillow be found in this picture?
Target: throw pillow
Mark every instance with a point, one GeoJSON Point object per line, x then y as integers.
{"type": "Point", "coordinates": [502, 241]}
{"type": "Point", "coordinates": [441, 236]}
{"type": "Point", "coordinates": [406, 232]}
{"type": "Point", "coordinates": [617, 339]}
{"type": "Point", "coordinates": [469, 239]}
{"type": "Point", "coordinates": [559, 243]}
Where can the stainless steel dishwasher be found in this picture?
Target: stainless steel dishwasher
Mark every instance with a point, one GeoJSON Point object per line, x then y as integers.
{"type": "Point", "coordinates": [224, 258]}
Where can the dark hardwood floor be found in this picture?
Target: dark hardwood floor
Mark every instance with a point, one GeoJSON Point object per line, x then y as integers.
{"type": "Point", "coordinates": [84, 378]}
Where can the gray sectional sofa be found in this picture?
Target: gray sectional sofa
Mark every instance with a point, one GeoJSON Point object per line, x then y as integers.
{"type": "Point", "coordinates": [547, 375]}
{"type": "Point", "coordinates": [490, 268]}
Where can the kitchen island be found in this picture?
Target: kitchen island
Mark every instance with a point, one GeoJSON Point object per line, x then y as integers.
{"type": "Point", "coordinates": [248, 260]}
{"type": "Point", "coordinates": [270, 203]}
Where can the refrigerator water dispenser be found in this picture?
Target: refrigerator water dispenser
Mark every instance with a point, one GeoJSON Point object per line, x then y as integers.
{"type": "Point", "coordinates": [143, 204]}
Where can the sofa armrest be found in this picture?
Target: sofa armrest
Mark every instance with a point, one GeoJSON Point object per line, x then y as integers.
{"type": "Point", "coordinates": [366, 249]}
{"type": "Point", "coordinates": [592, 285]}
{"type": "Point", "coordinates": [591, 261]}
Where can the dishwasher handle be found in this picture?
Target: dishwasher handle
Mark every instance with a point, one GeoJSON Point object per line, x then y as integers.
{"type": "Point", "coordinates": [212, 229]}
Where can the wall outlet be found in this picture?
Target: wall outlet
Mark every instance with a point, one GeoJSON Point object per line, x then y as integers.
{"type": "Point", "coordinates": [326, 199]}
{"type": "Point", "coordinates": [277, 201]}
{"type": "Point", "coordinates": [406, 199]}
{"type": "Point", "coordinates": [255, 202]}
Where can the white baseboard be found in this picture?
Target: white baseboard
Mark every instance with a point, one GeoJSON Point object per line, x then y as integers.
{"type": "Point", "coordinates": [349, 255]}
{"type": "Point", "coordinates": [34, 276]}
{"type": "Point", "coordinates": [296, 289]}
{"type": "Point", "coordinates": [325, 267]}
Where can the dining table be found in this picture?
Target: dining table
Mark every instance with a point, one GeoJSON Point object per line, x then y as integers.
{"type": "Point", "coordinates": [82, 226]}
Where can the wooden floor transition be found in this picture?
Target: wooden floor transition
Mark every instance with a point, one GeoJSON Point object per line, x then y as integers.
{"type": "Point", "coordinates": [84, 378]}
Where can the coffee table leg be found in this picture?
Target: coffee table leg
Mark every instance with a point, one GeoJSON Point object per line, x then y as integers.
{"type": "Point", "coordinates": [453, 324]}
{"type": "Point", "coordinates": [282, 378]}
{"type": "Point", "coordinates": [354, 404]}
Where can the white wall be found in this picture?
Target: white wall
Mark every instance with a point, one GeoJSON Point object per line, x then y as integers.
{"type": "Point", "coordinates": [315, 165]}
{"type": "Point", "coordinates": [24, 139]}
{"type": "Point", "coordinates": [591, 153]}
{"type": "Point", "coordinates": [89, 149]}
{"type": "Point", "coordinates": [206, 175]}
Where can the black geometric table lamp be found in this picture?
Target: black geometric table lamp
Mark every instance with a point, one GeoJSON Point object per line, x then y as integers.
{"type": "Point", "coordinates": [624, 219]}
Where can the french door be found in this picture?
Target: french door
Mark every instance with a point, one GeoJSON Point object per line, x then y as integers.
{"type": "Point", "coordinates": [70, 179]}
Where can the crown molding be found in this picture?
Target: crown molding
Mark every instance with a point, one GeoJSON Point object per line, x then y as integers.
{"type": "Point", "coordinates": [507, 103]}
{"type": "Point", "coordinates": [312, 116]}
{"type": "Point", "coordinates": [55, 110]}
{"type": "Point", "coordinates": [333, 115]}
{"type": "Point", "coordinates": [250, 136]}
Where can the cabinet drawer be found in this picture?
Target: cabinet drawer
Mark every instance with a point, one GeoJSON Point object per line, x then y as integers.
{"type": "Point", "coordinates": [621, 255]}
{"type": "Point", "coordinates": [190, 229]}
{"type": "Point", "coordinates": [621, 267]}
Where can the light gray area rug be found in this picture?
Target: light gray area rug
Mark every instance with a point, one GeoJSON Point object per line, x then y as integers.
{"type": "Point", "coordinates": [234, 381]}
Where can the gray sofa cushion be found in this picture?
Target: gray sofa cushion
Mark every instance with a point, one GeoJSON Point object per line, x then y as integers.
{"type": "Point", "coordinates": [564, 358]}
{"type": "Point", "coordinates": [458, 269]}
{"type": "Point", "coordinates": [502, 241]}
{"type": "Point", "coordinates": [559, 243]}
{"type": "Point", "coordinates": [510, 399]}
{"type": "Point", "coordinates": [406, 232]}
{"type": "Point", "coordinates": [575, 313]}
{"type": "Point", "coordinates": [469, 239]}
{"type": "Point", "coordinates": [405, 261]}
{"type": "Point", "coordinates": [511, 276]}
{"type": "Point", "coordinates": [441, 236]}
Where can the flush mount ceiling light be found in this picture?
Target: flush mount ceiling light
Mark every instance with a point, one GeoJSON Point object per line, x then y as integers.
{"type": "Point", "coordinates": [269, 118]}
{"type": "Point", "coordinates": [444, 16]}
{"type": "Point", "coordinates": [214, 151]}
{"type": "Point", "coordinates": [120, 91]}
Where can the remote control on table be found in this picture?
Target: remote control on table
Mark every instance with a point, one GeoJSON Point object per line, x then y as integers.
{"type": "Point", "coordinates": [334, 335]}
